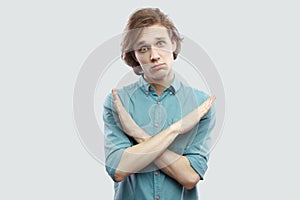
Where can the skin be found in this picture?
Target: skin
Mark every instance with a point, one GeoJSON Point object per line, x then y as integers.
{"type": "Point", "coordinates": [154, 53]}
{"type": "Point", "coordinates": [154, 149]}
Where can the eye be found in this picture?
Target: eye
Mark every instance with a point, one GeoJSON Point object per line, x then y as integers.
{"type": "Point", "coordinates": [143, 49]}
{"type": "Point", "coordinates": [161, 43]}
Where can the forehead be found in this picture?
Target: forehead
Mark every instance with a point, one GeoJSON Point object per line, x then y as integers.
{"type": "Point", "coordinates": [153, 33]}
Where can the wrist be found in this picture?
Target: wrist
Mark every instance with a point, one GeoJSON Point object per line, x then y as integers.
{"type": "Point", "coordinates": [176, 128]}
{"type": "Point", "coordinates": [141, 136]}
{"type": "Point", "coordinates": [141, 139]}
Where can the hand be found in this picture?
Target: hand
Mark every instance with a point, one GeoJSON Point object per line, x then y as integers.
{"type": "Point", "coordinates": [205, 106]}
{"type": "Point", "coordinates": [128, 124]}
{"type": "Point", "coordinates": [189, 121]}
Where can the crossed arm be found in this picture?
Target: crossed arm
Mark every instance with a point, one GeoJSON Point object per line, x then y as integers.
{"type": "Point", "coordinates": [154, 148]}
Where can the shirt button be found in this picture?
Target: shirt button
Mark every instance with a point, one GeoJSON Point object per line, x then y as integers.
{"type": "Point", "coordinates": [147, 92]}
{"type": "Point", "coordinates": [158, 102]}
{"type": "Point", "coordinates": [151, 88]}
{"type": "Point", "coordinates": [156, 173]}
{"type": "Point", "coordinates": [170, 92]}
{"type": "Point", "coordinates": [157, 197]}
{"type": "Point", "coordinates": [156, 125]}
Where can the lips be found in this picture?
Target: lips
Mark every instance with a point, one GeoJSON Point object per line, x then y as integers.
{"type": "Point", "coordinates": [158, 66]}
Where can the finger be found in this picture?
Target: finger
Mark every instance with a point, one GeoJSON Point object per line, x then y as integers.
{"type": "Point", "coordinates": [210, 100]}
{"type": "Point", "coordinates": [206, 103]}
{"type": "Point", "coordinates": [115, 94]}
{"type": "Point", "coordinates": [213, 98]}
{"type": "Point", "coordinates": [117, 100]}
{"type": "Point", "coordinates": [204, 107]}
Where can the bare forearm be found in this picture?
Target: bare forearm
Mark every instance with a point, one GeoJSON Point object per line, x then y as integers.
{"type": "Point", "coordinates": [176, 166]}
{"type": "Point", "coordinates": [172, 164]}
{"type": "Point", "coordinates": [139, 156]}
{"type": "Point", "coordinates": [150, 148]}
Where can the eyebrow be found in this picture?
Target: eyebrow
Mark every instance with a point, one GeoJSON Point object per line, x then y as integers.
{"type": "Point", "coordinates": [143, 42]}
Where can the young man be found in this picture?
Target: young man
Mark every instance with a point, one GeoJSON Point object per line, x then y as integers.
{"type": "Point", "coordinates": [157, 130]}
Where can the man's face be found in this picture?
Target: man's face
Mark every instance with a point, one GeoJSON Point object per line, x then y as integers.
{"type": "Point", "coordinates": [154, 51]}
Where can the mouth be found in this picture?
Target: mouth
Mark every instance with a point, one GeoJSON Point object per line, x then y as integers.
{"type": "Point", "coordinates": [158, 66]}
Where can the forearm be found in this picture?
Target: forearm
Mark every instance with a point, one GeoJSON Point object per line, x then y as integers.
{"type": "Point", "coordinates": [178, 167]}
{"type": "Point", "coordinates": [174, 165]}
{"type": "Point", "coordinates": [150, 148]}
{"type": "Point", "coordinates": [183, 126]}
{"type": "Point", "coordinates": [139, 156]}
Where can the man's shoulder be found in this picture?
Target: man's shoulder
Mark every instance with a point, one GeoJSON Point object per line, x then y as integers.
{"type": "Point", "coordinates": [128, 90]}
{"type": "Point", "coordinates": [130, 87]}
{"type": "Point", "coordinates": [188, 91]}
{"type": "Point", "coordinates": [125, 92]}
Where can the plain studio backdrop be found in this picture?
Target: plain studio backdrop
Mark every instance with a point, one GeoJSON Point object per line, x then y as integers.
{"type": "Point", "coordinates": [254, 45]}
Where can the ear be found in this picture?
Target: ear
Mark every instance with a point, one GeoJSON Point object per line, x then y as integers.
{"type": "Point", "coordinates": [174, 45]}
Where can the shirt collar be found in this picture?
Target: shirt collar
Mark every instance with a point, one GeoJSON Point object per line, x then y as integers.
{"type": "Point", "coordinates": [174, 87]}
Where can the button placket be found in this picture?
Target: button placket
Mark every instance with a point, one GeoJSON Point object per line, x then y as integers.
{"type": "Point", "coordinates": [156, 185]}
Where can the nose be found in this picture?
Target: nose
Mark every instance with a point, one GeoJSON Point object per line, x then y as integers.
{"type": "Point", "coordinates": [154, 55]}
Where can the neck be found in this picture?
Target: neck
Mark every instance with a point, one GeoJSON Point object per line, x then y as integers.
{"type": "Point", "coordinates": [160, 85]}
{"type": "Point", "coordinates": [159, 88]}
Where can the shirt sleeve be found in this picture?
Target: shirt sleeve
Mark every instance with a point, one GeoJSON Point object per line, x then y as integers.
{"type": "Point", "coordinates": [115, 140]}
{"type": "Point", "coordinates": [198, 150]}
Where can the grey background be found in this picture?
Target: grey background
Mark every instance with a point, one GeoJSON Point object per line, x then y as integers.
{"type": "Point", "coordinates": [254, 45]}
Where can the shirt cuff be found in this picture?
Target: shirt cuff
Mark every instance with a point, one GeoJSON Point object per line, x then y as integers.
{"type": "Point", "coordinates": [198, 163]}
{"type": "Point", "coordinates": [112, 163]}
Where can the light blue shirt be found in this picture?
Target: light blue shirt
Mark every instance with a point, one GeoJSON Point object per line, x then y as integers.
{"type": "Point", "coordinates": [153, 114]}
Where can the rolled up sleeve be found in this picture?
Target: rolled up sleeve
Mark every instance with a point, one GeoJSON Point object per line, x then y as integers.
{"type": "Point", "coordinates": [198, 150]}
{"type": "Point", "coordinates": [115, 139]}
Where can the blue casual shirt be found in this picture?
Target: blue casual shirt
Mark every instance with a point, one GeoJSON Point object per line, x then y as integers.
{"type": "Point", "coordinates": [153, 114]}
